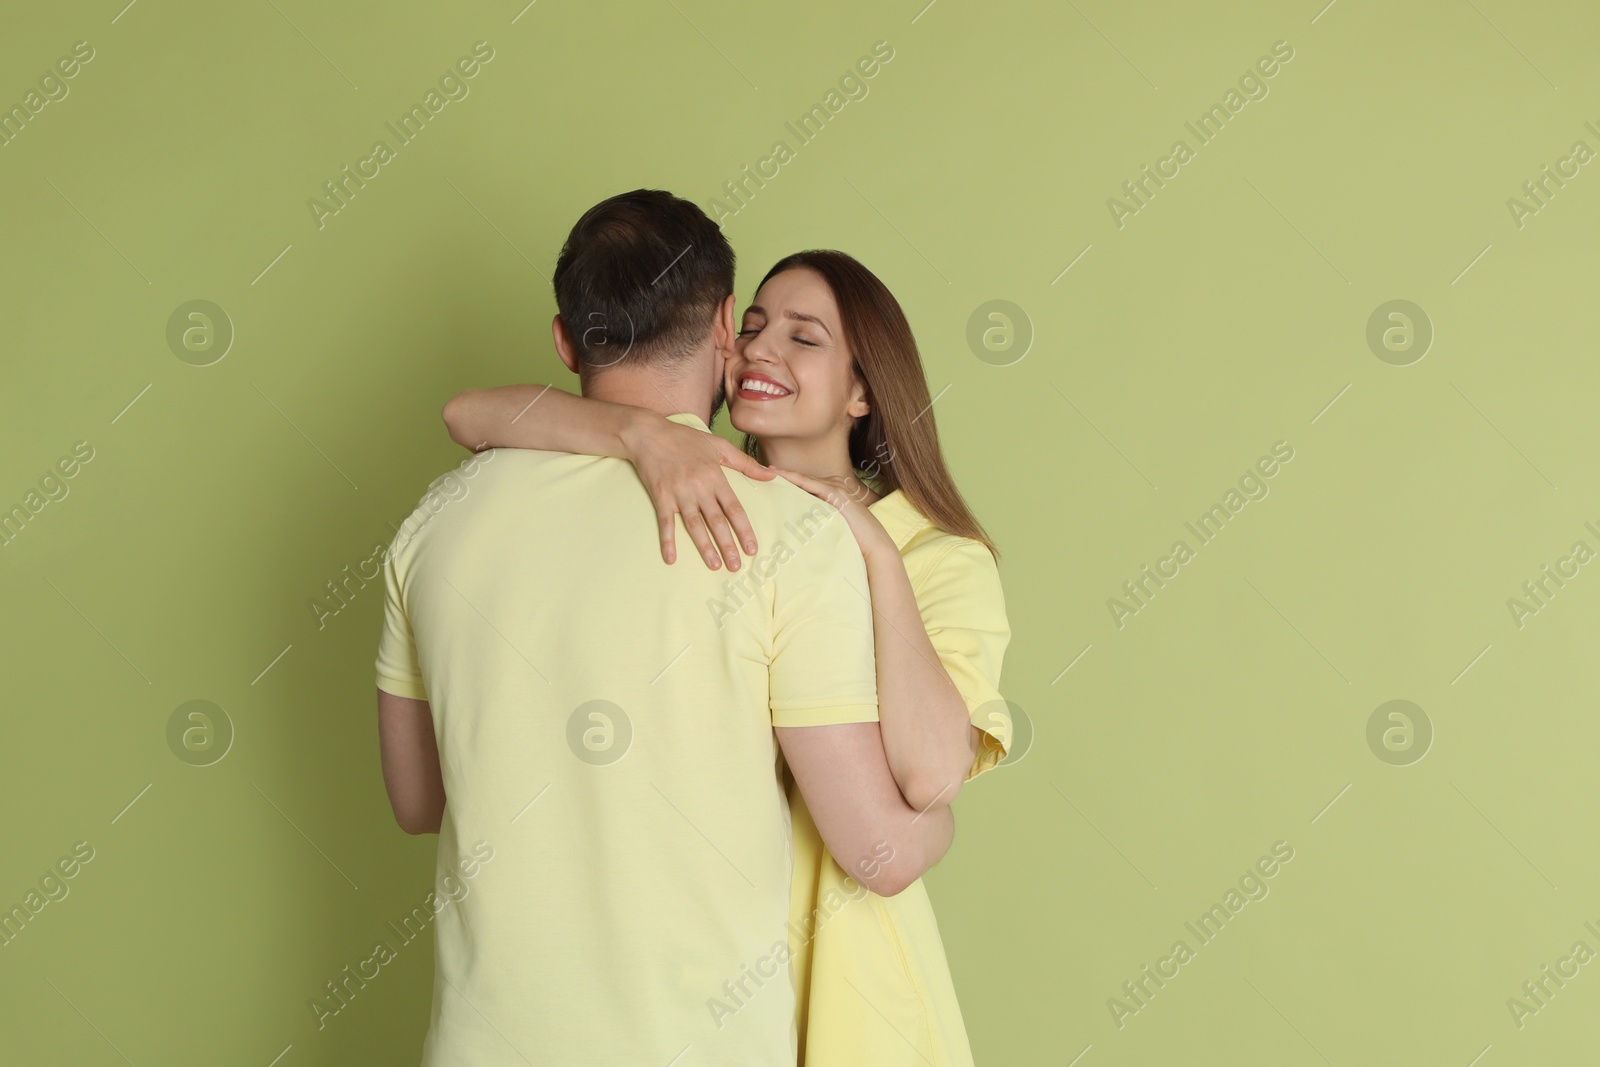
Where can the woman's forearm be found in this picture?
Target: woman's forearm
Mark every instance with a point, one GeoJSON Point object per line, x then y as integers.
{"type": "Point", "coordinates": [538, 416]}
{"type": "Point", "coordinates": [927, 734]}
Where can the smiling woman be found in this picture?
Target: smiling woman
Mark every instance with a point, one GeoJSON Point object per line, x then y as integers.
{"type": "Point", "coordinates": [881, 403]}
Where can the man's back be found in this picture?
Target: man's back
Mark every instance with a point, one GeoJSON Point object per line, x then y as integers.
{"type": "Point", "coordinates": [603, 725]}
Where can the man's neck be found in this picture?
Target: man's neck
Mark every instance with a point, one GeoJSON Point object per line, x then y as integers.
{"type": "Point", "coordinates": [643, 388]}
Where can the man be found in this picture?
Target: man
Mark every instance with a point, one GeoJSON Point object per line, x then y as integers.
{"type": "Point", "coordinates": [610, 742]}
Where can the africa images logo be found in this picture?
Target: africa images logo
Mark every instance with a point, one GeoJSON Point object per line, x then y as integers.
{"type": "Point", "coordinates": [1205, 129]}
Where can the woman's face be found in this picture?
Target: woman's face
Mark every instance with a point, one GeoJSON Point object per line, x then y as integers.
{"type": "Point", "coordinates": [791, 374]}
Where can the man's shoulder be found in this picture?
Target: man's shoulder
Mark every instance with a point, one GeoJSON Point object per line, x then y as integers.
{"type": "Point", "coordinates": [778, 498]}
{"type": "Point", "coordinates": [802, 539]}
{"type": "Point", "coordinates": [483, 477]}
{"type": "Point", "coordinates": [499, 468]}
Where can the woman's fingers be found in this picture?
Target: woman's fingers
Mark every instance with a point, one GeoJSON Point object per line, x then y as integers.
{"type": "Point", "coordinates": [731, 507]}
{"type": "Point", "coordinates": [711, 513]}
{"type": "Point", "coordinates": [723, 534]}
{"type": "Point", "coordinates": [701, 536]}
{"type": "Point", "coordinates": [822, 490]}
{"type": "Point", "coordinates": [666, 523]}
{"type": "Point", "coordinates": [717, 504]}
{"type": "Point", "coordinates": [806, 482]}
{"type": "Point", "coordinates": [746, 464]}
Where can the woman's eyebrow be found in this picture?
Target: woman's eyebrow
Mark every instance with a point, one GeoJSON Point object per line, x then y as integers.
{"type": "Point", "coordinates": [808, 318]}
{"type": "Point", "coordinates": [757, 309]}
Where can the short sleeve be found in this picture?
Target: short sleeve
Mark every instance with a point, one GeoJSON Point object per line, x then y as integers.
{"type": "Point", "coordinates": [823, 670]}
{"type": "Point", "coordinates": [399, 671]}
{"type": "Point", "coordinates": [964, 610]}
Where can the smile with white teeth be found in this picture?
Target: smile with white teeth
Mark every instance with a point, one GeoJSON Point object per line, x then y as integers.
{"type": "Point", "coordinates": [756, 385]}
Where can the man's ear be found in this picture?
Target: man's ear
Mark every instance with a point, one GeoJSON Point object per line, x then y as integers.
{"type": "Point", "coordinates": [564, 348]}
{"type": "Point", "coordinates": [723, 331]}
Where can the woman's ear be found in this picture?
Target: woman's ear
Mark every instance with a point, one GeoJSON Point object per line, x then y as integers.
{"type": "Point", "coordinates": [859, 404]}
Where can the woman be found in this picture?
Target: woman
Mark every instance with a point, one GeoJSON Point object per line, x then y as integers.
{"type": "Point", "coordinates": [826, 382]}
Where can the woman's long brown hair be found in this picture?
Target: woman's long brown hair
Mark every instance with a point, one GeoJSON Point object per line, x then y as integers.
{"type": "Point", "coordinates": [897, 440]}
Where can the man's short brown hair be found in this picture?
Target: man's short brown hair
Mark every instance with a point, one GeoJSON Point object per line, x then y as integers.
{"type": "Point", "coordinates": [639, 279]}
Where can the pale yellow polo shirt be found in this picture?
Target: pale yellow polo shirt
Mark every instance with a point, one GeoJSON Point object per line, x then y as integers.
{"type": "Point", "coordinates": [957, 585]}
{"type": "Point", "coordinates": [604, 723]}
{"type": "Point", "coordinates": [875, 986]}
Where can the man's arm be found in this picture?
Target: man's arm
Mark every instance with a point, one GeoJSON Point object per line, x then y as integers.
{"type": "Point", "coordinates": [879, 839]}
{"type": "Point", "coordinates": [410, 763]}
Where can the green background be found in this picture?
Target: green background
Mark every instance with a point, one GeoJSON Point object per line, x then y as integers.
{"type": "Point", "coordinates": [1230, 313]}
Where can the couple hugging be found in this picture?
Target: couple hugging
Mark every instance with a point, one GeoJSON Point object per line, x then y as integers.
{"type": "Point", "coordinates": [709, 827]}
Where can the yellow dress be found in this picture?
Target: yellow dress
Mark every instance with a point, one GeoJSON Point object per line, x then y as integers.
{"type": "Point", "coordinates": [872, 985]}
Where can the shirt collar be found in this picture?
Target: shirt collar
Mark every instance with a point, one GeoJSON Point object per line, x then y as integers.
{"type": "Point", "coordinates": [900, 518]}
{"type": "Point", "coordinates": [689, 420]}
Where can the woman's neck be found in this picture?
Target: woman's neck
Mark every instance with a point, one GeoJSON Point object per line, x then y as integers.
{"type": "Point", "coordinates": [826, 458]}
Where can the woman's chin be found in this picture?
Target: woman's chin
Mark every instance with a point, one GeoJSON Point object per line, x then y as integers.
{"type": "Point", "coordinates": [746, 416]}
